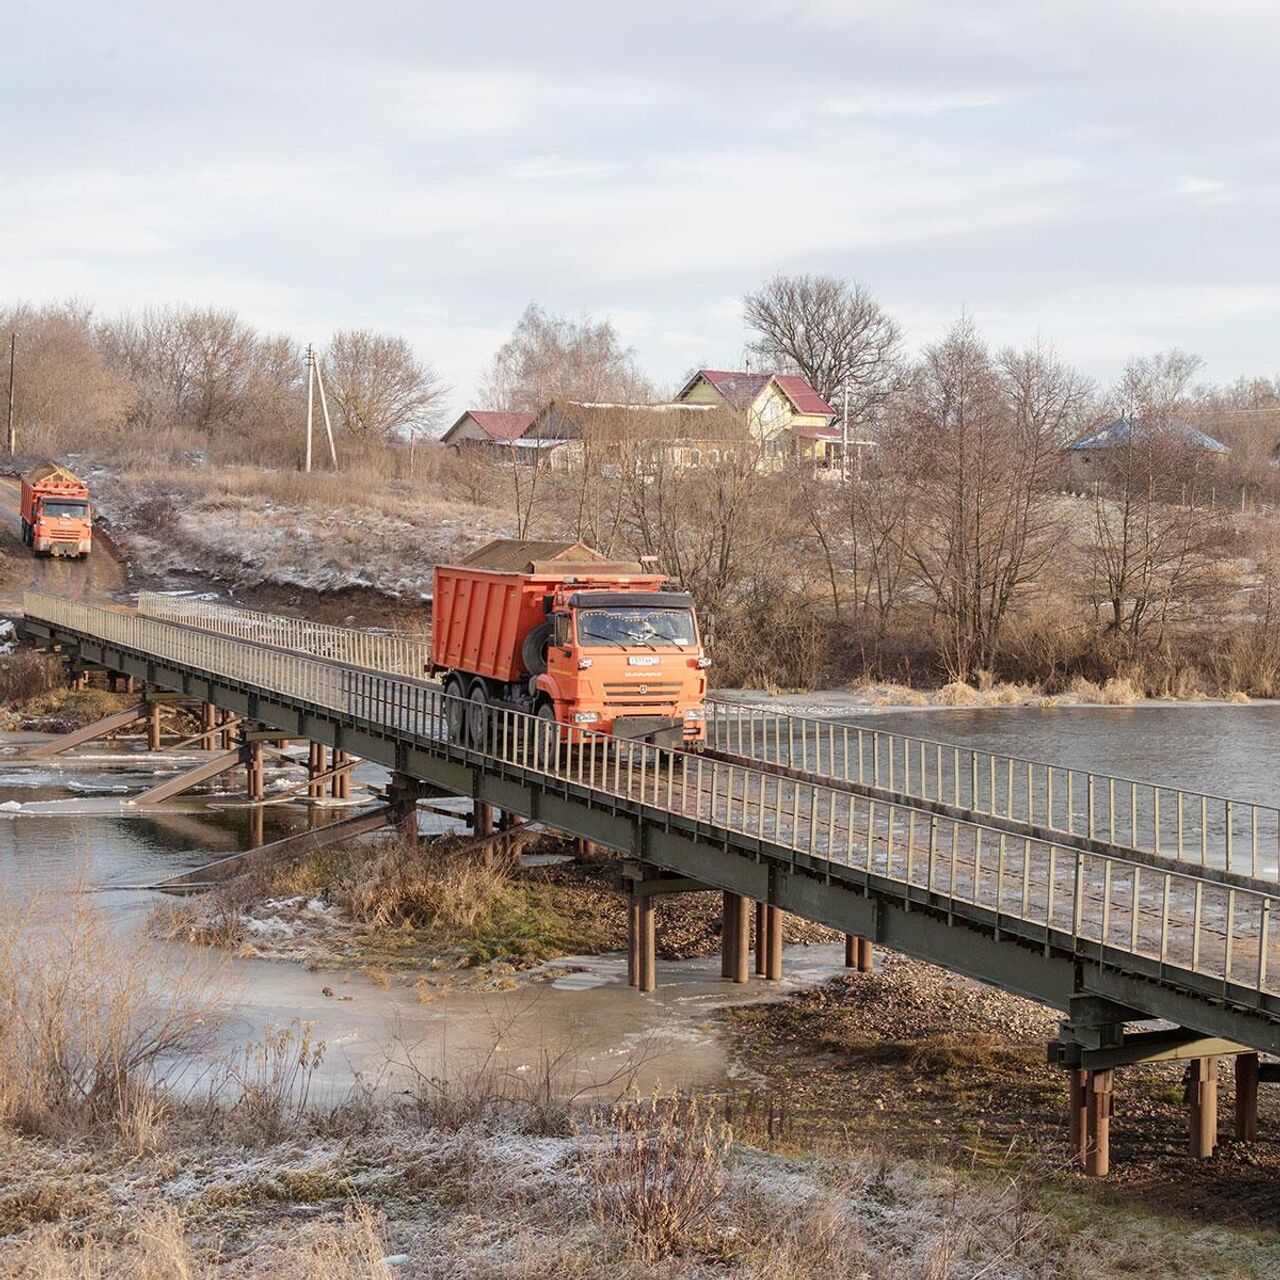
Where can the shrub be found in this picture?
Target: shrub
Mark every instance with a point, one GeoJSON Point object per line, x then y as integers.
{"type": "Point", "coordinates": [655, 1169]}
{"type": "Point", "coordinates": [26, 675]}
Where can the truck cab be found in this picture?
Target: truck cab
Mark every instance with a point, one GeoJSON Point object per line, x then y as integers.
{"type": "Point", "coordinates": [57, 519]}
{"type": "Point", "coordinates": [628, 663]}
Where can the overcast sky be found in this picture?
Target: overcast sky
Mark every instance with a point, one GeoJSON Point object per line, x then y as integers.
{"type": "Point", "coordinates": [1104, 174]}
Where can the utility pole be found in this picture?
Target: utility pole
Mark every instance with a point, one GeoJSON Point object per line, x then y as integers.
{"type": "Point", "coordinates": [311, 393]}
{"type": "Point", "coordinates": [13, 357]}
{"type": "Point", "coordinates": [324, 405]}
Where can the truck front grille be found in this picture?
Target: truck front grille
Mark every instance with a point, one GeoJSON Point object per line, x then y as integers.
{"type": "Point", "coordinates": [641, 689]}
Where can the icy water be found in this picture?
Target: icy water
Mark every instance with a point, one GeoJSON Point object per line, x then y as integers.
{"type": "Point", "coordinates": [65, 826]}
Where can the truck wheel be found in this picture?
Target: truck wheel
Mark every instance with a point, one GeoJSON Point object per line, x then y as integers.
{"type": "Point", "coordinates": [478, 709]}
{"type": "Point", "coordinates": [455, 711]}
{"type": "Point", "coordinates": [534, 649]}
{"type": "Point", "coordinates": [546, 715]}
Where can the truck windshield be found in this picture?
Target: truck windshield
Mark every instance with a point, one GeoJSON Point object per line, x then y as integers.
{"type": "Point", "coordinates": [61, 507]}
{"type": "Point", "coordinates": [647, 626]}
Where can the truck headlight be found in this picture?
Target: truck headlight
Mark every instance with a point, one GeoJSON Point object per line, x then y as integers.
{"type": "Point", "coordinates": [695, 713]}
{"type": "Point", "coordinates": [586, 717]}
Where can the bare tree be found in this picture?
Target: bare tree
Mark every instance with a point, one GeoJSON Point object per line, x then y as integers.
{"type": "Point", "coordinates": [984, 438]}
{"type": "Point", "coordinates": [381, 389]}
{"type": "Point", "coordinates": [551, 357]}
{"type": "Point", "coordinates": [65, 393]}
{"type": "Point", "coordinates": [832, 331]}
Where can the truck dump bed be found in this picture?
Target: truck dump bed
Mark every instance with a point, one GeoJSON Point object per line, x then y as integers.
{"type": "Point", "coordinates": [484, 607]}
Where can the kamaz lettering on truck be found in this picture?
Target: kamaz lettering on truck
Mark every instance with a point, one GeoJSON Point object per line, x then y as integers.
{"type": "Point", "coordinates": [558, 631]}
{"type": "Point", "coordinates": [56, 517]}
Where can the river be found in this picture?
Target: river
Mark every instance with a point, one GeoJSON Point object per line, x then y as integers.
{"type": "Point", "coordinates": [66, 828]}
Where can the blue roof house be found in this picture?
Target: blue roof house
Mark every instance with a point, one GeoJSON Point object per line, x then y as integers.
{"type": "Point", "coordinates": [1088, 457]}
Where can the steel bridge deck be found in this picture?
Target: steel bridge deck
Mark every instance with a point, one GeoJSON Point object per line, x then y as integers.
{"type": "Point", "coordinates": [1064, 921]}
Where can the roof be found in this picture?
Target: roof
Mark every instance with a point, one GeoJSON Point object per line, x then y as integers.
{"type": "Point", "coordinates": [1124, 430]}
{"type": "Point", "coordinates": [523, 555]}
{"type": "Point", "coordinates": [742, 389]}
{"type": "Point", "coordinates": [802, 395]}
{"type": "Point", "coordinates": [497, 426]}
{"type": "Point", "coordinates": [574, 420]}
{"type": "Point", "coordinates": [739, 389]}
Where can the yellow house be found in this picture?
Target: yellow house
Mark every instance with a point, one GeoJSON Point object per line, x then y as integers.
{"type": "Point", "coordinates": [787, 417]}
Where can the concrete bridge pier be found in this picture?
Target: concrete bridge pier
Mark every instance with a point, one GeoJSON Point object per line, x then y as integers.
{"type": "Point", "coordinates": [1201, 1092]}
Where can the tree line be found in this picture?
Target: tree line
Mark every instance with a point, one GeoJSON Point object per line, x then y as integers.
{"type": "Point", "coordinates": [203, 379]}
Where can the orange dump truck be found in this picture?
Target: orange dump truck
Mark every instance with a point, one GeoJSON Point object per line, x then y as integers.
{"type": "Point", "coordinates": [557, 631]}
{"type": "Point", "coordinates": [56, 517]}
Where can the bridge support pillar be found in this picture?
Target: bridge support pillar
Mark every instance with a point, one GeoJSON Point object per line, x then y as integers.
{"type": "Point", "coordinates": [642, 969]}
{"type": "Point", "coordinates": [510, 823]}
{"type": "Point", "coordinates": [153, 726]}
{"type": "Point", "coordinates": [482, 822]}
{"type": "Point", "coordinates": [402, 795]}
{"type": "Point", "coordinates": [1077, 1115]}
{"type": "Point", "coordinates": [255, 771]}
{"type": "Point", "coordinates": [1097, 1157]}
{"type": "Point", "coordinates": [859, 953]}
{"type": "Point", "coordinates": [225, 718]}
{"type": "Point", "coordinates": [1202, 1106]}
{"type": "Point", "coordinates": [735, 939]}
{"type": "Point", "coordinates": [208, 723]}
{"type": "Point", "coordinates": [772, 942]}
{"type": "Point", "coordinates": [1246, 1097]}
{"type": "Point", "coordinates": [315, 768]}
{"type": "Point", "coordinates": [340, 787]}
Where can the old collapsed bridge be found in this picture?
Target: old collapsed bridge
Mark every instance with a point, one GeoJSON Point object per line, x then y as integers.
{"type": "Point", "coordinates": [1114, 901]}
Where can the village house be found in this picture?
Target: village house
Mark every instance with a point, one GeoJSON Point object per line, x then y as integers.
{"type": "Point", "coordinates": [481, 426]}
{"type": "Point", "coordinates": [673, 436]}
{"type": "Point", "coordinates": [788, 419]}
{"type": "Point", "coordinates": [1093, 456]}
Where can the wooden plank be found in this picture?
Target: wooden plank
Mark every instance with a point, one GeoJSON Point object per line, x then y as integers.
{"type": "Point", "coordinates": [295, 846]}
{"type": "Point", "coordinates": [220, 763]}
{"type": "Point", "coordinates": [87, 733]}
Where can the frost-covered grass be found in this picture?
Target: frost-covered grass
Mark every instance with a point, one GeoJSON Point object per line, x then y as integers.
{"type": "Point", "coordinates": [117, 1158]}
{"type": "Point", "coordinates": [392, 1193]}
{"type": "Point", "coordinates": [322, 532]}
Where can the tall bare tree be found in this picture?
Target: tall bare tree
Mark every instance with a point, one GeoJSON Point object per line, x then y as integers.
{"type": "Point", "coordinates": [381, 389]}
{"type": "Point", "coordinates": [65, 393]}
{"type": "Point", "coordinates": [984, 438]}
{"type": "Point", "coordinates": [552, 357]}
{"type": "Point", "coordinates": [831, 330]}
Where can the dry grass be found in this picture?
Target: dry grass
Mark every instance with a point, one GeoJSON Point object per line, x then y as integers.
{"type": "Point", "coordinates": [158, 1247]}
{"type": "Point", "coordinates": [26, 676]}
{"type": "Point", "coordinates": [89, 1024]}
{"type": "Point", "coordinates": [656, 1169]}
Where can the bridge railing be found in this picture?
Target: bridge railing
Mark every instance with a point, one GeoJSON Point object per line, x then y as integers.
{"type": "Point", "coordinates": [381, 651]}
{"type": "Point", "coordinates": [1179, 925]}
{"type": "Point", "coordinates": [1193, 827]}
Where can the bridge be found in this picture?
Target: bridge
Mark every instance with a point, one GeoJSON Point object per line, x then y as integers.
{"type": "Point", "coordinates": [1116, 901]}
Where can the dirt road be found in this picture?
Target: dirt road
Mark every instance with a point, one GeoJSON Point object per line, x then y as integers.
{"type": "Point", "coordinates": [100, 577]}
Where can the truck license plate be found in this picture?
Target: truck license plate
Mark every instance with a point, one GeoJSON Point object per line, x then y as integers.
{"type": "Point", "coordinates": [643, 660]}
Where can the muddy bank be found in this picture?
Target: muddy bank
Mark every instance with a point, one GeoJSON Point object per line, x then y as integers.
{"type": "Point", "coordinates": [914, 1061]}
